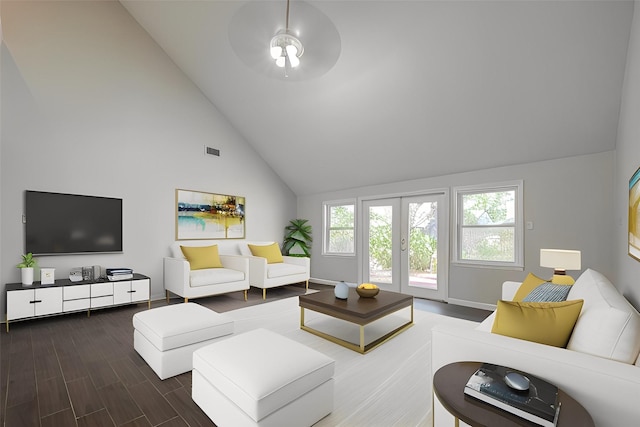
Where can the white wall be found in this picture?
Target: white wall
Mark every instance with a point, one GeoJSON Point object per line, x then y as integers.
{"type": "Point", "coordinates": [627, 162]}
{"type": "Point", "coordinates": [91, 105]}
{"type": "Point", "coordinates": [568, 200]}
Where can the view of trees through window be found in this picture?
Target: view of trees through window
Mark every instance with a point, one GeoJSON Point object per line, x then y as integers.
{"type": "Point", "coordinates": [488, 226]}
{"type": "Point", "coordinates": [341, 230]}
{"type": "Point", "coordinates": [422, 238]}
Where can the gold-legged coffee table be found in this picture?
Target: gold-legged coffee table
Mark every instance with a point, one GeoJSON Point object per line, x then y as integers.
{"type": "Point", "coordinates": [360, 311]}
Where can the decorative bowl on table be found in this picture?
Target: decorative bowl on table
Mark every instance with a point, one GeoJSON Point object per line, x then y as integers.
{"type": "Point", "coordinates": [367, 290]}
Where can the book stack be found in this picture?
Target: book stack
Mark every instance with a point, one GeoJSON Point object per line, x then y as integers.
{"type": "Point", "coordinates": [115, 274]}
{"type": "Point", "coordinates": [538, 404]}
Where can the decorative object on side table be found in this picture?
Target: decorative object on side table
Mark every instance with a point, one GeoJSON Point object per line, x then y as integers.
{"type": "Point", "coordinates": [26, 268]}
{"type": "Point", "coordinates": [522, 394]}
{"type": "Point", "coordinates": [367, 290]}
{"type": "Point", "coordinates": [341, 290]}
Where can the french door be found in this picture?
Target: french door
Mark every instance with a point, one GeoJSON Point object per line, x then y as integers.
{"type": "Point", "coordinates": [405, 244]}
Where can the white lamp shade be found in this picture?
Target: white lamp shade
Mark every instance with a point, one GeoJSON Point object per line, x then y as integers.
{"type": "Point", "coordinates": [560, 259]}
{"type": "Point", "coordinates": [280, 62]}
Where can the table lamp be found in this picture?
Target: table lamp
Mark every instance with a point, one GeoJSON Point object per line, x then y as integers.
{"type": "Point", "coordinates": [560, 260]}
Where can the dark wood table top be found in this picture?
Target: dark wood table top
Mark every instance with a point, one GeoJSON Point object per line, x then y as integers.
{"type": "Point", "coordinates": [448, 385]}
{"type": "Point", "coordinates": [65, 282]}
{"type": "Point", "coordinates": [356, 309]}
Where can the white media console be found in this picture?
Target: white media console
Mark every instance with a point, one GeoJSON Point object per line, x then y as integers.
{"type": "Point", "coordinates": [64, 296]}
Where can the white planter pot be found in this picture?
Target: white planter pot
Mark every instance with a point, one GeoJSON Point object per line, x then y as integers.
{"type": "Point", "coordinates": [27, 275]}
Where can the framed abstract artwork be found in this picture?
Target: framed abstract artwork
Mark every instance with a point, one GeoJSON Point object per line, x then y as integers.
{"type": "Point", "coordinates": [202, 215]}
{"type": "Point", "coordinates": [634, 215]}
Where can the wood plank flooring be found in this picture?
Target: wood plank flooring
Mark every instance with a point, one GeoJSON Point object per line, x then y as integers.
{"type": "Point", "coordinates": [81, 371]}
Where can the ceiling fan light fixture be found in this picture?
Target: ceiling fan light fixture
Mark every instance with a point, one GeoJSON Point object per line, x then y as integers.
{"type": "Point", "coordinates": [276, 51]}
{"type": "Point", "coordinates": [292, 54]}
{"type": "Point", "coordinates": [286, 45]}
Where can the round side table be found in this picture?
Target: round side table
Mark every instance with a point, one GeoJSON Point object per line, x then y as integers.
{"type": "Point", "coordinates": [448, 386]}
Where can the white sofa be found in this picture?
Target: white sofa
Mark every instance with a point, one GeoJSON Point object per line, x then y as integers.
{"type": "Point", "coordinates": [589, 369]}
{"type": "Point", "coordinates": [181, 281]}
{"type": "Point", "coordinates": [264, 275]}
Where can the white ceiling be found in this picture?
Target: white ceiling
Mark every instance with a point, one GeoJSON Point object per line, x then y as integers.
{"type": "Point", "coordinates": [397, 90]}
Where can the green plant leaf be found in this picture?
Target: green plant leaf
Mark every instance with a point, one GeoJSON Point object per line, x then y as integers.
{"type": "Point", "coordinates": [27, 261]}
{"type": "Point", "coordinates": [297, 238]}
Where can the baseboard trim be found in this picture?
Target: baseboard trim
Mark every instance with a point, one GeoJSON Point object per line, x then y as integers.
{"type": "Point", "coordinates": [323, 281]}
{"type": "Point", "coordinates": [472, 304]}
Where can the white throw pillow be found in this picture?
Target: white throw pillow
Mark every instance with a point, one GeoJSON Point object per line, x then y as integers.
{"type": "Point", "coordinates": [608, 325]}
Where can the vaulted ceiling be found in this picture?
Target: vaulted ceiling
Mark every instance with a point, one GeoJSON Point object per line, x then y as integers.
{"type": "Point", "coordinates": [397, 90]}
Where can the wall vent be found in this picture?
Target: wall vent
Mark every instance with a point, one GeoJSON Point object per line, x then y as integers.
{"type": "Point", "coordinates": [212, 151]}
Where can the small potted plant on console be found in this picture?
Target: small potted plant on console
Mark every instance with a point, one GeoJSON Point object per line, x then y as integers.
{"type": "Point", "coordinates": [26, 268]}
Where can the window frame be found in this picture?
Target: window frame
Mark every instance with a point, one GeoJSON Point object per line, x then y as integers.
{"type": "Point", "coordinates": [326, 229]}
{"type": "Point", "coordinates": [518, 224]}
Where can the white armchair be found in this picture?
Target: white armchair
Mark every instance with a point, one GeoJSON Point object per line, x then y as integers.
{"type": "Point", "coordinates": [180, 280]}
{"type": "Point", "coordinates": [264, 275]}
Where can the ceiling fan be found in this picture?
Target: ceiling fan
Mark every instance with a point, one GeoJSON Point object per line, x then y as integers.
{"type": "Point", "coordinates": [251, 34]}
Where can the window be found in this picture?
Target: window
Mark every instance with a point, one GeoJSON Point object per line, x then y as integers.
{"type": "Point", "coordinates": [339, 228]}
{"type": "Point", "coordinates": [489, 225]}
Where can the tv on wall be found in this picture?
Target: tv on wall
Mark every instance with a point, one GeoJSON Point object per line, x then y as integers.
{"type": "Point", "coordinates": [59, 223]}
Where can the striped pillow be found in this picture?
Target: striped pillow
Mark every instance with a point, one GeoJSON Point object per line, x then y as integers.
{"type": "Point", "coordinates": [548, 292]}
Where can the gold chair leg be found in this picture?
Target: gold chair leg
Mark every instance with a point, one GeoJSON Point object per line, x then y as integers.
{"type": "Point", "coordinates": [245, 294]}
{"type": "Point", "coordinates": [186, 300]}
{"type": "Point", "coordinates": [264, 293]}
{"type": "Point", "coordinates": [307, 285]}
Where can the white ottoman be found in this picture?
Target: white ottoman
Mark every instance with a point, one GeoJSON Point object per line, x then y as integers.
{"type": "Point", "coordinates": [260, 378]}
{"type": "Point", "coordinates": [166, 337]}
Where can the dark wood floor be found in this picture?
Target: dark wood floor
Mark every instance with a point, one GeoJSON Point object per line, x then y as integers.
{"type": "Point", "coordinates": [75, 370]}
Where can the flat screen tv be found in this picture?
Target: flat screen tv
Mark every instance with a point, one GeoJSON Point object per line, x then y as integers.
{"type": "Point", "coordinates": [59, 223]}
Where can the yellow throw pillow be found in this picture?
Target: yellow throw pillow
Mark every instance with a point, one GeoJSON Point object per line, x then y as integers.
{"type": "Point", "coordinates": [530, 283]}
{"type": "Point", "coordinates": [549, 323]}
{"type": "Point", "coordinates": [201, 257]}
{"type": "Point", "coordinates": [270, 252]}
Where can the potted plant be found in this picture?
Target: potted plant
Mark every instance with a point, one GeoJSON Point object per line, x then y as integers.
{"type": "Point", "coordinates": [26, 268]}
{"type": "Point", "coordinates": [297, 238]}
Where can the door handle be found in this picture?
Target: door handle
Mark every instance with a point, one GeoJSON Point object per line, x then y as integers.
{"type": "Point", "coordinates": [403, 244]}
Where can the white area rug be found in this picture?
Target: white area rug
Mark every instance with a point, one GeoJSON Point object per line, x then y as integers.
{"type": "Point", "coordinates": [389, 386]}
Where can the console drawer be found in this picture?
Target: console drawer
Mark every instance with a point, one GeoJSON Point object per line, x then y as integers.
{"type": "Point", "coordinates": [101, 289]}
{"type": "Point", "coordinates": [76, 292]}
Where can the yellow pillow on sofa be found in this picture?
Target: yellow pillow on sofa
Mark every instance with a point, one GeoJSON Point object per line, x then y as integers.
{"type": "Point", "coordinates": [549, 323]}
{"type": "Point", "coordinates": [201, 257]}
{"type": "Point", "coordinates": [528, 284]}
{"type": "Point", "coordinates": [270, 252]}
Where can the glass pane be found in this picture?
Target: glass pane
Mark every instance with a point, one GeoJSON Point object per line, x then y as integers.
{"type": "Point", "coordinates": [380, 241]}
{"type": "Point", "coordinates": [341, 241]}
{"type": "Point", "coordinates": [489, 208]}
{"type": "Point", "coordinates": [423, 244]}
{"type": "Point", "coordinates": [341, 216]}
{"type": "Point", "coordinates": [488, 244]}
